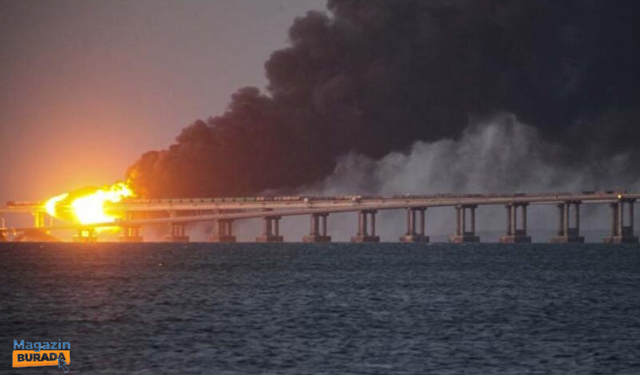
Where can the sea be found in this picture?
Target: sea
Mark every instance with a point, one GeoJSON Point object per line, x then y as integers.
{"type": "Point", "coordinates": [336, 308]}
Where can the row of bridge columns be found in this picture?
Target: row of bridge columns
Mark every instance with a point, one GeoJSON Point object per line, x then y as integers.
{"type": "Point", "coordinates": [568, 230]}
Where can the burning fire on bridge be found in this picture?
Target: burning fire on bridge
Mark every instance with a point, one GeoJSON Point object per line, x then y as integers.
{"type": "Point", "coordinates": [90, 205]}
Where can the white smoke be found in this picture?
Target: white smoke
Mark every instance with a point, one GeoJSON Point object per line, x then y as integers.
{"type": "Point", "coordinates": [497, 156]}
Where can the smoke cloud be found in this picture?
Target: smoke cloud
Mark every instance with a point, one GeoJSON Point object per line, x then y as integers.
{"type": "Point", "coordinates": [380, 80]}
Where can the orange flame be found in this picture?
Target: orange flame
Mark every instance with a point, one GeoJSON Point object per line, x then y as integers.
{"type": "Point", "coordinates": [89, 206]}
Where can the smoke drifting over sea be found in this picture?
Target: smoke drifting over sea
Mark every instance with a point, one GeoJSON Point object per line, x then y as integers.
{"type": "Point", "coordinates": [377, 88]}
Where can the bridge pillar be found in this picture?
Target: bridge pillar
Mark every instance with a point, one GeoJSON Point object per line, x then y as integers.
{"type": "Point", "coordinates": [566, 232]}
{"type": "Point", "coordinates": [462, 235]}
{"type": "Point", "coordinates": [223, 231]}
{"type": "Point", "coordinates": [415, 218]}
{"type": "Point", "coordinates": [516, 234]}
{"type": "Point", "coordinates": [621, 233]}
{"type": "Point", "coordinates": [39, 219]}
{"type": "Point", "coordinates": [177, 233]}
{"type": "Point", "coordinates": [3, 234]}
{"type": "Point", "coordinates": [131, 234]}
{"type": "Point", "coordinates": [85, 235]}
{"type": "Point", "coordinates": [318, 229]}
{"type": "Point", "coordinates": [271, 230]}
{"type": "Point", "coordinates": [366, 233]}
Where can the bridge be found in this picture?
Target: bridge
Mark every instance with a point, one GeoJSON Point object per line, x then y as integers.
{"type": "Point", "coordinates": [224, 212]}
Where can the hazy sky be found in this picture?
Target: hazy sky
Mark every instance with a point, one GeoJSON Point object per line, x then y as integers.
{"type": "Point", "coordinates": [87, 86]}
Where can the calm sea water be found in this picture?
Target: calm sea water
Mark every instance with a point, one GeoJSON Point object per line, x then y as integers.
{"type": "Point", "coordinates": [326, 309]}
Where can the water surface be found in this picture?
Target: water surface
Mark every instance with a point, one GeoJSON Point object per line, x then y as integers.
{"type": "Point", "coordinates": [326, 309]}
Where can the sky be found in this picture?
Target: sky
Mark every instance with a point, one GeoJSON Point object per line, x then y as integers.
{"type": "Point", "coordinates": [87, 86]}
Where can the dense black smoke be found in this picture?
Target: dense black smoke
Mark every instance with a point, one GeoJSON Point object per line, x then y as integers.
{"type": "Point", "coordinates": [373, 77]}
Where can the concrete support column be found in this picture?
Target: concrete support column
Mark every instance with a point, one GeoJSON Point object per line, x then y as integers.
{"type": "Point", "coordinates": [473, 220]}
{"type": "Point", "coordinates": [317, 229]}
{"type": "Point", "coordinates": [566, 224]}
{"type": "Point", "coordinates": [631, 215]}
{"type": "Point", "coordinates": [223, 232]}
{"type": "Point", "coordinates": [567, 233]}
{"type": "Point", "coordinates": [373, 223]}
{"type": "Point", "coordinates": [39, 219]}
{"type": "Point", "coordinates": [560, 220]}
{"type": "Point", "coordinates": [178, 233]}
{"type": "Point", "coordinates": [271, 230]}
{"type": "Point", "coordinates": [411, 222]}
{"type": "Point", "coordinates": [412, 234]}
{"type": "Point", "coordinates": [614, 220]}
{"type": "Point", "coordinates": [463, 219]}
{"type": "Point", "coordinates": [366, 233]}
{"type": "Point", "coordinates": [462, 235]}
{"type": "Point", "coordinates": [324, 224]}
{"type": "Point", "coordinates": [621, 233]}
{"type": "Point", "coordinates": [523, 209]}
{"type": "Point", "coordinates": [423, 224]}
{"type": "Point", "coordinates": [515, 234]}
{"type": "Point", "coordinates": [620, 218]}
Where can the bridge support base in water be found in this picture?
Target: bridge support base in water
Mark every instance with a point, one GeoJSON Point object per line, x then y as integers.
{"type": "Point", "coordinates": [623, 239]}
{"type": "Point", "coordinates": [270, 239]}
{"type": "Point", "coordinates": [177, 234]}
{"type": "Point", "coordinates": [85, 235]}
{"type": "Point", "coordinates": [316, 238]}
{"type": "Point", "coordinates": [621, 232]}
{"type": "Point", "coordinates": [567, 239]}
{"type": "Point", "coordinates": [363, 239]}
{"type": "Point", "coordinates": [223, 232]}
{"type": "Point", "coordinates": [414, 238]}
{"type": "Point", "coordinates": [515, 239]}
{"type": "Point", "coordinates": [130, 234]}
{"type": "Point", "coordinates": [271, 231]}
{"type": "Point", "coordinates": [366, 227]}
{"type": "Point", "coordinates": [318, 229]}
{"type": "Point", "coordinates": [467, 238]}
{"type": "Point", "coordinates": [462, 234]}
{"type": "Point", "coordinates": [415, 226]}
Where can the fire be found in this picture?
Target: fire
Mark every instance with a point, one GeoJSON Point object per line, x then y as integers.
{"type": "Point", "coordinates": [90, 205]}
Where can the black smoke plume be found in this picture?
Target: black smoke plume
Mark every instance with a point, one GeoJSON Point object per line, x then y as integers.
{"type": "Point", "coordinates": [374, 76]}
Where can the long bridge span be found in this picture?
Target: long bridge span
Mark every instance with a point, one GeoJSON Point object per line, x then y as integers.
{"type": "Point", "coordinates": [223, 212]}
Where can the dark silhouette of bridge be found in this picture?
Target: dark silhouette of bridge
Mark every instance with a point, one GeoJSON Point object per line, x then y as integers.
{"type": "Point", "coordinates": [224, 212]}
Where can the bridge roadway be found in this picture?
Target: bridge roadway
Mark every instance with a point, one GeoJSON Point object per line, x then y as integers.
{"type": "Point", "coordinates": [179, 212]}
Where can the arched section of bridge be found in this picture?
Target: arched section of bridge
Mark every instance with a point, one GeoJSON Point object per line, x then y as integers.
{"type": "Point", "coordinates": [318, 229]}
{"type": "Point", "coordinates": [223, 231]}
{"type": "Point", "coordinates": [516, 233]}
{"type": "Point", "coordinates": [271, 230]}
{"type": "Point", "coordinates": [621, 233]}
{"type": "Point", "coordinates": [568, 230]}
{"type": "Point", "coordinates": [366, 227]}
{"type": "Point", "coordinates": [462, 235]}
{"type": "Point", "coordinates": [415, 218]}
